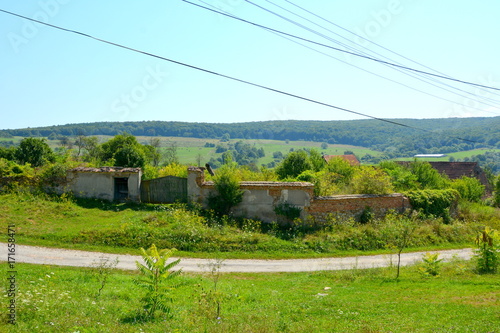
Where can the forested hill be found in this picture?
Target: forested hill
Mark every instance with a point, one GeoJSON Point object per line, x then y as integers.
{"type": "Point", "coordinates": [421, 135]}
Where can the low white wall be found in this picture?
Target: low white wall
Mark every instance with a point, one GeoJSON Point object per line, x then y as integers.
{"type": "Point", "coordinates": [95, 183]}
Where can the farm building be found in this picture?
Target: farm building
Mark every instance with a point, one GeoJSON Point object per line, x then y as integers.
{"type": "Point", "coordinates": [108, 183]}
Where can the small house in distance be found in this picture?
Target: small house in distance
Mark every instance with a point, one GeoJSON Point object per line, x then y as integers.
{"type": "Point", "coordinates": [349, 158]}
{"type": "Point", "coordinates": [108, 183]}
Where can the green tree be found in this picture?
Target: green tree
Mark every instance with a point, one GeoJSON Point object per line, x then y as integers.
{"type": "Point", "coordinates": [35, 152]}
{"type": "Point", "coordinates": [342, 168]}
{"type": "Point", "coordinates": [170, 154]}
{"type": "Point", "coordinates": [293, 165]}
{"type": "Point", "coordinates": [316, 159]}
{"type": "Point", "coordinates": [130, 156]}
{"type": "Point", "coordinates": [8, 153]}
{"type": "Point", "coordinates": [93, 151]}
{"type": "Point", "coordinates": [369, 180]}
{"type": "Point", "coordinates": [125, 150]}
{"type": "Point", "coordinates": [402, 178]}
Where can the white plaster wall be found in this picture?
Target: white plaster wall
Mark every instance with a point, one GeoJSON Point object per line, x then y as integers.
{"type": "Point", "coordinates": [134, 186]}
{"type": "Point", "coordinates": [93, 185]}
{"type": "Point", "coordinates": [101, 185]}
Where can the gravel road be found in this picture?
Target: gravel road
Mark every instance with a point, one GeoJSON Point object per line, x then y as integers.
{"type": "Point", "coordinates": [63, 257]}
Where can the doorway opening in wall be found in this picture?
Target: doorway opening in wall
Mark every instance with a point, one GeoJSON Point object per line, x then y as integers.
{"type": "Point", "coordinates": [121, 189]}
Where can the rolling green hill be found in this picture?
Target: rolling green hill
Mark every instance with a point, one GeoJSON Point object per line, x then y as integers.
{"type": "Point", "coordinates": [417, 136]}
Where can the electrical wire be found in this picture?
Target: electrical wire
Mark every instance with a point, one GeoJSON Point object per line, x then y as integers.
{"type": "Point", "coordinates": [360, 68]}
{"type": "Point", "coordinates": [420, 77]}
{"type": "Point", "coordinates": [370, 41]}
{"type": "Point", "coordinates": [344, 51]}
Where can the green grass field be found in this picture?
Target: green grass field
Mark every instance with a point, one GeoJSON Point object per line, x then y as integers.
{"type": "Point", "coordinates": [63, 299]}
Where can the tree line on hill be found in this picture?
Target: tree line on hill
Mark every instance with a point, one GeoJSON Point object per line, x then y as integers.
{"type": "Point", "coordinates": [418, 136]}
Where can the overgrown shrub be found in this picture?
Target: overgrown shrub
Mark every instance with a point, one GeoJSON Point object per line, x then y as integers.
{"type": "Point", "coordinates": [434, 202]}
{"type": "Point", "coordinates": [470, 189]}
{"type": "Point", "coordinates": [54, 175]}
{"type": "Point", "coordinates": [228, 193]}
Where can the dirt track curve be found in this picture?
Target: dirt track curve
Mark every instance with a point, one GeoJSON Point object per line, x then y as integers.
{"type": "Point", "coordinates": [63, 257]}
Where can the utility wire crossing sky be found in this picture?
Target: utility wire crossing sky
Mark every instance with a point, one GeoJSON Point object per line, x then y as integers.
{"type": "Point", "coordinates": [52, 77]}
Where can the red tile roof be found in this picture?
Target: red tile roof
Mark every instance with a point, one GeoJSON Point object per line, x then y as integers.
{"type": "Point", "coordinates": [349, 158]}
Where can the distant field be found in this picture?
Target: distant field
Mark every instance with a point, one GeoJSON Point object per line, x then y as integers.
{"type": "Point", "coordinates": [189, 149]}
{"type": "Point", "coordinates": [192, 150]}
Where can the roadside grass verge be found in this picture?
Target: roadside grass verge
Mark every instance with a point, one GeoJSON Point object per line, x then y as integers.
{"type": "Point", "coordinates": [96, 225]}
{"type": "Point", "coordinates": [64, 299]}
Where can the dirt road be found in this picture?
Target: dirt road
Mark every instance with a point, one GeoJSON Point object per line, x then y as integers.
{"type": "Point", "coordinates": [63, 257]}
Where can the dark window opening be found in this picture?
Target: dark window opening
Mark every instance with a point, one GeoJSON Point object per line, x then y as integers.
{"type": "Point", "coordinates": [121, 189]}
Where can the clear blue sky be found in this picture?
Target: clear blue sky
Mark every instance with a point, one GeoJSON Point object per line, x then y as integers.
{"type": "Point", "coordinates": [50, 77]}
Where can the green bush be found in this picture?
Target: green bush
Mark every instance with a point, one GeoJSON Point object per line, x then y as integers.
{"type": "Point", "coordinates": [434, 202]}
{"type": "Point", "coordinates": [470, 189]}
{"type": "Point", "coordinates": [228, 193]}
{"type": "Point", "coordinates": [369, 180]}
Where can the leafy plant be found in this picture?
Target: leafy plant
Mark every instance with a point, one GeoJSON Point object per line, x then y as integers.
{"type": "Point", "coordinates": [156, 273]}
{"type": "Point", "coordinates": [488, 252]}
{"type": "Point", "coordinates": [430, 264]}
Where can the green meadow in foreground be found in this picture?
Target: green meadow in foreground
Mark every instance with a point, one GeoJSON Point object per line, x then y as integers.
{"type": "Point", "coordinates": [63, 299]}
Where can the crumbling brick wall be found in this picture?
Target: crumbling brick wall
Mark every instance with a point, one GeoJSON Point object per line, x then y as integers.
{"type": "Point", "coordinates": [352, 206]}
{"type": "Point", "coordinates": [260, 199]}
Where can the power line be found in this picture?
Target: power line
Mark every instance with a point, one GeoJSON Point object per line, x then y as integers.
{"type": "Point", "coordinates": [344, 51]}
{"type": "Point", "coordinates": [370, 41]}
{"type": "Point", "coordinates": [363, 69]}
{"type": "Point", "coordinates": [230, 77]}
{"type": "Point", "coordinates": [421, 77]}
